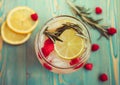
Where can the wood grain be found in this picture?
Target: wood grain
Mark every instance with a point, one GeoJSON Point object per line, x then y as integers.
{"type": "Point", "coordinates": [21, 67]}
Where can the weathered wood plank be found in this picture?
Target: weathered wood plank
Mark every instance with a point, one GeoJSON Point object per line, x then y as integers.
{"type": "Point", "coordinates": [13, 67]}
{"type": "Point", "coordinates": [21, 67]}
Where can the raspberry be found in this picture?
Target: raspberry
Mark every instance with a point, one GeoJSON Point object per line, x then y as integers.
{"type": "Point", "coordinates": [34, 17]}
{"type": "Point", "coordinates": [98, 10]}
{"type": "Point", "coordinates": [88, 66]}
{"type": "Point", "coordinates": [95, 47]}
{"type": "Point", "coordinates": [79, 66]}
{"type": "Point", "coordinates": [103, 77]}
{"type": "Point", "coordinates": [74, 61]}
{"type": "Point", "coordinates": [47, 66]}
{"type": "Point", "coordinates": [48, 47]}
{"type": "Point", "coordinates": [111, 31]}
{"type": "Point", "coordinates": [48, 41]}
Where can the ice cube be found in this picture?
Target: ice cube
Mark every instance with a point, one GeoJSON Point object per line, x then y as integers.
{"type": "Point", "coordinates": [60, 63]}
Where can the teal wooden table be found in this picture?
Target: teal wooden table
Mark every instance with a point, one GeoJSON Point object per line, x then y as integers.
{"type": "Point", "coordinates": [19, 65]}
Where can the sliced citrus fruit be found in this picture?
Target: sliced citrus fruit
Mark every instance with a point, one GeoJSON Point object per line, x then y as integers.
{"type": "Point", "coordinates": [72, 45]}
{"type": "Point", "coordinates": [12, 37]}
{"type": "Point", "coordinates": [19, 20]}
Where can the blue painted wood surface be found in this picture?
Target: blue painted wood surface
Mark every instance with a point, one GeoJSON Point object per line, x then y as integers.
{"type": "Point", "coordinates": [19, 65]}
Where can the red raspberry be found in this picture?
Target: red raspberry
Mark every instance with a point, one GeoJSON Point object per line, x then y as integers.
{"type": "Point", "coordinates": [88, 66]}
{"type": "Point", "coordinates": [48, 41]}
{"type": "Point", "coordinates": [34, 17]}
{"type": "Point", "coordinates": [103, 77]}
{"type": "Point", "coordinates": [47, 66]}
{"type": "Point", "coordinates": [111, 31]}
{"type": "Point", "coordinates": [74, 61]}
{"type": "Point", "coordinates": [48, 47]}
{"type": "Point", "coordinates": [79, 66]}
{"type": "Point", "coordinates": [95, 47]}
{"type": "Point", "coordinates": [98, 10]}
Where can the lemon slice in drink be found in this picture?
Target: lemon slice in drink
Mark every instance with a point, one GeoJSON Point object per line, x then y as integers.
{"type": "Point", "coordinates": [72, 45]}
{"type": "Point", "coordinates": [12, 37]}
{"type": "Point", "coordinates": [19, 20]}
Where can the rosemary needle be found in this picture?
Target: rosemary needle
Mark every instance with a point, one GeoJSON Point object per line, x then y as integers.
{"type": "Point", "coordinates": [83, 14]}
{"type": "Point", "coordinates": [55, 35]}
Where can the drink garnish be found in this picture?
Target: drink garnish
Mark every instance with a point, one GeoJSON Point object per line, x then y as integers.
{"type": "Point", "coordinates": [48, 47]}
{"type": "Point", "coordinates": [72, 45]}
{"type": "Point", "coordinates": [54, 36]}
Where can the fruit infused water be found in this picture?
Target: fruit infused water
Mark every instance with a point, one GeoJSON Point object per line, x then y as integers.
{"type": "Point", "coordinates": [63, 44]}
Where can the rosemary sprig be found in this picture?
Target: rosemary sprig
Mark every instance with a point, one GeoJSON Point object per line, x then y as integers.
{"type": "Point", "coordinates": [83, 14]}
{"type": "Point", "coordinates": [77, 28]}
{"type": "Point", "coordinates": [51, 35]}
{"type": "Point", "coordinates": [55, 35]}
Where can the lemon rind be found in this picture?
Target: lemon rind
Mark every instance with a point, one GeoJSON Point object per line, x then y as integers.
{"type": "Point", "coordinates": [19, 31]}
{"type": "Point", "coordinates": [12, 42]}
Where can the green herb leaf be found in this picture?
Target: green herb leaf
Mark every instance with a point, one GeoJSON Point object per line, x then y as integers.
{"type": "Point", "coordinates": [55, 35]}
{"type": "Point", "coordinates": [83, 14]}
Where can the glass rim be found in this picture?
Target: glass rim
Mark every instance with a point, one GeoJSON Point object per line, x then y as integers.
{"type": "Point", "coordinates": [83, 58]}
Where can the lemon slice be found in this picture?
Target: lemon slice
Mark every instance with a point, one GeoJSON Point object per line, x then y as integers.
{"type": "Point", "coordinates": [12, 37]}
{"type": "Point", "coordinates": [19, 20]}
{"type": "Point", "coordinates": [72, 45]}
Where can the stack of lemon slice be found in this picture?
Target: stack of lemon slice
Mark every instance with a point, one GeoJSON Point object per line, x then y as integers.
{"type": "Point", "coordinates": [18, 25]}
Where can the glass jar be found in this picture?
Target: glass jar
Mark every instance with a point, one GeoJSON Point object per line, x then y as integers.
{"type": "Point", "coordinates": [53, 61]}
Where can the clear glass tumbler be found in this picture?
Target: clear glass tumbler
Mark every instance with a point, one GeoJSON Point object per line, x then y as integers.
{"type": "Point", "coordinates": [63, 54]}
